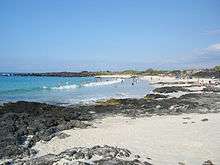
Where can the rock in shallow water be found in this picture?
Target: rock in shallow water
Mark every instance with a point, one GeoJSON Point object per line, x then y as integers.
{"type": "Point", "coordinates": [205, 119]}
{"type": "Point", "coordinates": [208, 162]}
{"type": "Point", "coordinates": [171, 89]}
{"type": "Point", "coordinates": [155, 96]}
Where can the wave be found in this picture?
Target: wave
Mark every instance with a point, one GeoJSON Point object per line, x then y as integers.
{"type": "Point", "coordinates": [73, 86]}
{"type": "Point", "coordinates": [93, 84]}
{"type": "Point", "coordinates": [67, 86]}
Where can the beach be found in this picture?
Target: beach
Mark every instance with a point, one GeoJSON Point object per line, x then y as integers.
{"type": "Point", "coordinates": [177, 122]}
{"type": "Point", "coordinates": [108, 82]}
{"type": "Point", "coordinates": [163, 139]}
{"type": "Point", "coordinates": [174, 139]}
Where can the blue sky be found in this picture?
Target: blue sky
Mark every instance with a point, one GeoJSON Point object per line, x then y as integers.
{"type": "Point", "coordinates": [74, 35]}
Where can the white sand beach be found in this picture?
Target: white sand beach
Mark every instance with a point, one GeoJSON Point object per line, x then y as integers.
{"type": "Point", "coordinates": [163, 139]}
{"type": "Point", "coordinates": [198, 84]}
{"type": "Point", "coordinates": [160, 140]}
{"type": "Point", "coordinates": [166, 79]}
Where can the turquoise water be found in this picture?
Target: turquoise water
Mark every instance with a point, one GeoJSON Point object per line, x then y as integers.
{"type": "Point", "coordinates": [69, 90]}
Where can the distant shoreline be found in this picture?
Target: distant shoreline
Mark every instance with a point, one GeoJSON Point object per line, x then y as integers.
{"type": "Point", "coordinates": [203, 73]}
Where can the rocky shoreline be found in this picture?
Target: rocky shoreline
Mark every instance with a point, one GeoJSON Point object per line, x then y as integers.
{"type": "Point", "coordinates": [82, 156]}
{"type": "Point", "coordinates": [22, 124]}
{"type": "Point", "coordinates": [58, 74]}
{"type": "Point", "coordinates": [202, 73]}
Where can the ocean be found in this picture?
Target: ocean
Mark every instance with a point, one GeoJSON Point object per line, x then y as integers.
{"type": "Point", "coordinates": [69, 90]}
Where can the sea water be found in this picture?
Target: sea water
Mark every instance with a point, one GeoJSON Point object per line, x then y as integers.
{"type": "Point", "coordinates": [69, 90]}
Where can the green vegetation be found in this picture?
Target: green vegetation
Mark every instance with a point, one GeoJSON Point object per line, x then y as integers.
{"type": "Point", "coordinates": [104, 73]}
{"type": "Point", "coordinates": [130, 72]}
{"type": "Point", "coordinates": [154, 72]}
{"type": "Point", "coordinates": [151, 72]}
{"type": "Point", "coordinates": [154, 96]}
{"type": "Point", "coordinates": [147, 97]}
{"type": "Point", "coordinates": [109, 102]}
{"type": "Point", "coordinates": [217, 68]}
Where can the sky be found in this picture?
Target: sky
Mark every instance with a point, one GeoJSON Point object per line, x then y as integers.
{"type": "Point", "coordinates": [76, 35]}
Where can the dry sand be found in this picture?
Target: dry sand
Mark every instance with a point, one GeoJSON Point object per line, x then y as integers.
{"type": "Point", "coordinates": [198, 84]}
{"type": "Point", "coordinates": [156, 79]}
{"type": "Point", "coordinates": [165, 139]}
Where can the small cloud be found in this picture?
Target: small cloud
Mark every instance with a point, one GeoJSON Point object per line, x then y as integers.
{"type": "Point", "coordinates": [214, 48]}
{"type": "Point", "coordinates": [203, 57]}
{"type": "Point", "coordinates": [209, 55]}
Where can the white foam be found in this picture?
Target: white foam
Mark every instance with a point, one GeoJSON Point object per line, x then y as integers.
{"type": "Point", "coordinates": [73, 86]}
{"type": "Point", "coordinates": [92, 84]}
